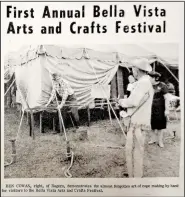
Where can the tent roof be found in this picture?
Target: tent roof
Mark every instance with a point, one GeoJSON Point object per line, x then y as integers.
{"type": "Point", "coordinates": [165, 53]}
{"type": "Point", "coordinates": [126, 49]}
{"type": "Point", "coordinates": [164, 50]}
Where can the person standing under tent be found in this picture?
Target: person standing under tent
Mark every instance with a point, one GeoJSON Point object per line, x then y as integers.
{"type": "Point", "coordinates": [160, 109]}
{"type": "Point", "coordinates": [138, 106]}
{"type": "Point", "coordinates": [63, 91]}
{"type": "Point", "coordinates": [131, 84]}
{"type": "Point", "coordinates": [170, 86]}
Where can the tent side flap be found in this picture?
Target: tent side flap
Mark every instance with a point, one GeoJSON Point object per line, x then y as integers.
{"type": "Point", "coordinates": [80, 74]}
{"type": "Point", "coordinates": [28, 80]}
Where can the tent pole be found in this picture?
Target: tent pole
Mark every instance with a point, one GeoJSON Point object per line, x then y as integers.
{"type": "Point", "coordinates": [41, 125]}
{"type": "Point", "coordinates": [110, 106]}
{"type": "Point", "coordinates": [109, 113]}
{"type": "Point", "coordinates": [89, 116]}
{"type": "Point", "coordinates": [32, 124]}
{"type": "Point", "coordinates": [53, 124]}
{"type": "Point", "coordinates": [30, 113]}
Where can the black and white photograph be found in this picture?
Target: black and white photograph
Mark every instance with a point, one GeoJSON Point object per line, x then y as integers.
{"type": "Point", "coordinates": [92, 98]}
{"type": "Point", "coordinates": [92, 111]}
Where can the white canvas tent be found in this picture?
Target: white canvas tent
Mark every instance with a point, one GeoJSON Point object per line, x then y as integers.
{"type": "Point", "coordinates": [81, 67]}
{"type": "Point", "coordinates": [33, 71]}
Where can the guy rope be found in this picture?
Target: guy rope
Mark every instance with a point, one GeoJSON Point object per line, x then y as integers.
{"type": "Point", "coordinates": [13, 141]}
{"type": "Point", "coordinates": [109, 102]}
{"type": "Point", "coordinates": [69, 153]}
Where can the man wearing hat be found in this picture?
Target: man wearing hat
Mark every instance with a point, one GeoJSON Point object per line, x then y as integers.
{"type": "Point", "coordinates": [138, 106]}
{"type": "Point", "coordinates": [63, 91]}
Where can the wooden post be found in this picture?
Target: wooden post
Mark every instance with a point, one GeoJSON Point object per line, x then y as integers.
{"type": "Point", "coordinates": [9, 99]}
{"type": "Point", "coordinates": [71, 119]}
{"type": "Point", "coordinates": [13, 150]}
{"type": "Point", "coordinates": [53, 124]}
{"type": "Point", "coordinates": [41, 125]}
{"type": "Point", "coordinates": [32, 124]}
{"type": "Point", "coordinates": [109, 112]}
{"type": "Point", "coordinates": [68, 150]}
{"type": "Point", "coordinates": [60, 122]}
{"type": "Point", "coordinates": [113, 88]}
{"type": "Point", "coordinates": [89, 116]}
{"type": "Point", "coordinates": [120, 82]}
{"type": "Point", "coordinates": [27, 117]}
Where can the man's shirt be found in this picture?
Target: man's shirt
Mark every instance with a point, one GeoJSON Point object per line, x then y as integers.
{"type": "Point", "coordinates": [142, 94]}
{"type": "Point", "coordinates": [63, 89]}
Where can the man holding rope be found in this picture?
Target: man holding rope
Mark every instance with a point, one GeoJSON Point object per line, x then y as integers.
{"type": "Point", "coordinates": [138, 106]}
{"type": "Point", "coordinates": [64, 93]}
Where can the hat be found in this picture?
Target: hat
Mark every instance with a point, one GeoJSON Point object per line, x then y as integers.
{"type": "Point", "coordinates": [56, 75]}
{"type": "Point", "coordinates": [142, 64]}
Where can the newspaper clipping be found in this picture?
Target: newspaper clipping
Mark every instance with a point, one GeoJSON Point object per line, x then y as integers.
{"type": "Point", "coordinates": [92, 97]}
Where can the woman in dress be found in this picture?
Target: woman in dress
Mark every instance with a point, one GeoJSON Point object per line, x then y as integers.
{"type": "Point", "coordinates": [160, 109]}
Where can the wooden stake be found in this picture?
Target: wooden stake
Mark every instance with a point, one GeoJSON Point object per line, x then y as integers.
{"type": "Point", "coordinates": [13, 150]}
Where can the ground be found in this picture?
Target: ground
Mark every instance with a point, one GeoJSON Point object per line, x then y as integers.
{"type": "Point", "coordinates": [46, 155]}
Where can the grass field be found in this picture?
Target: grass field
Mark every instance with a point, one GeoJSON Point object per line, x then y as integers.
{"type": "Point", "coordinates": [45, 156]}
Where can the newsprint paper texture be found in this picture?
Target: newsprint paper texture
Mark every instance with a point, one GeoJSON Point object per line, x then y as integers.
{"type": "Point", "coordinates": [92, 97]}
